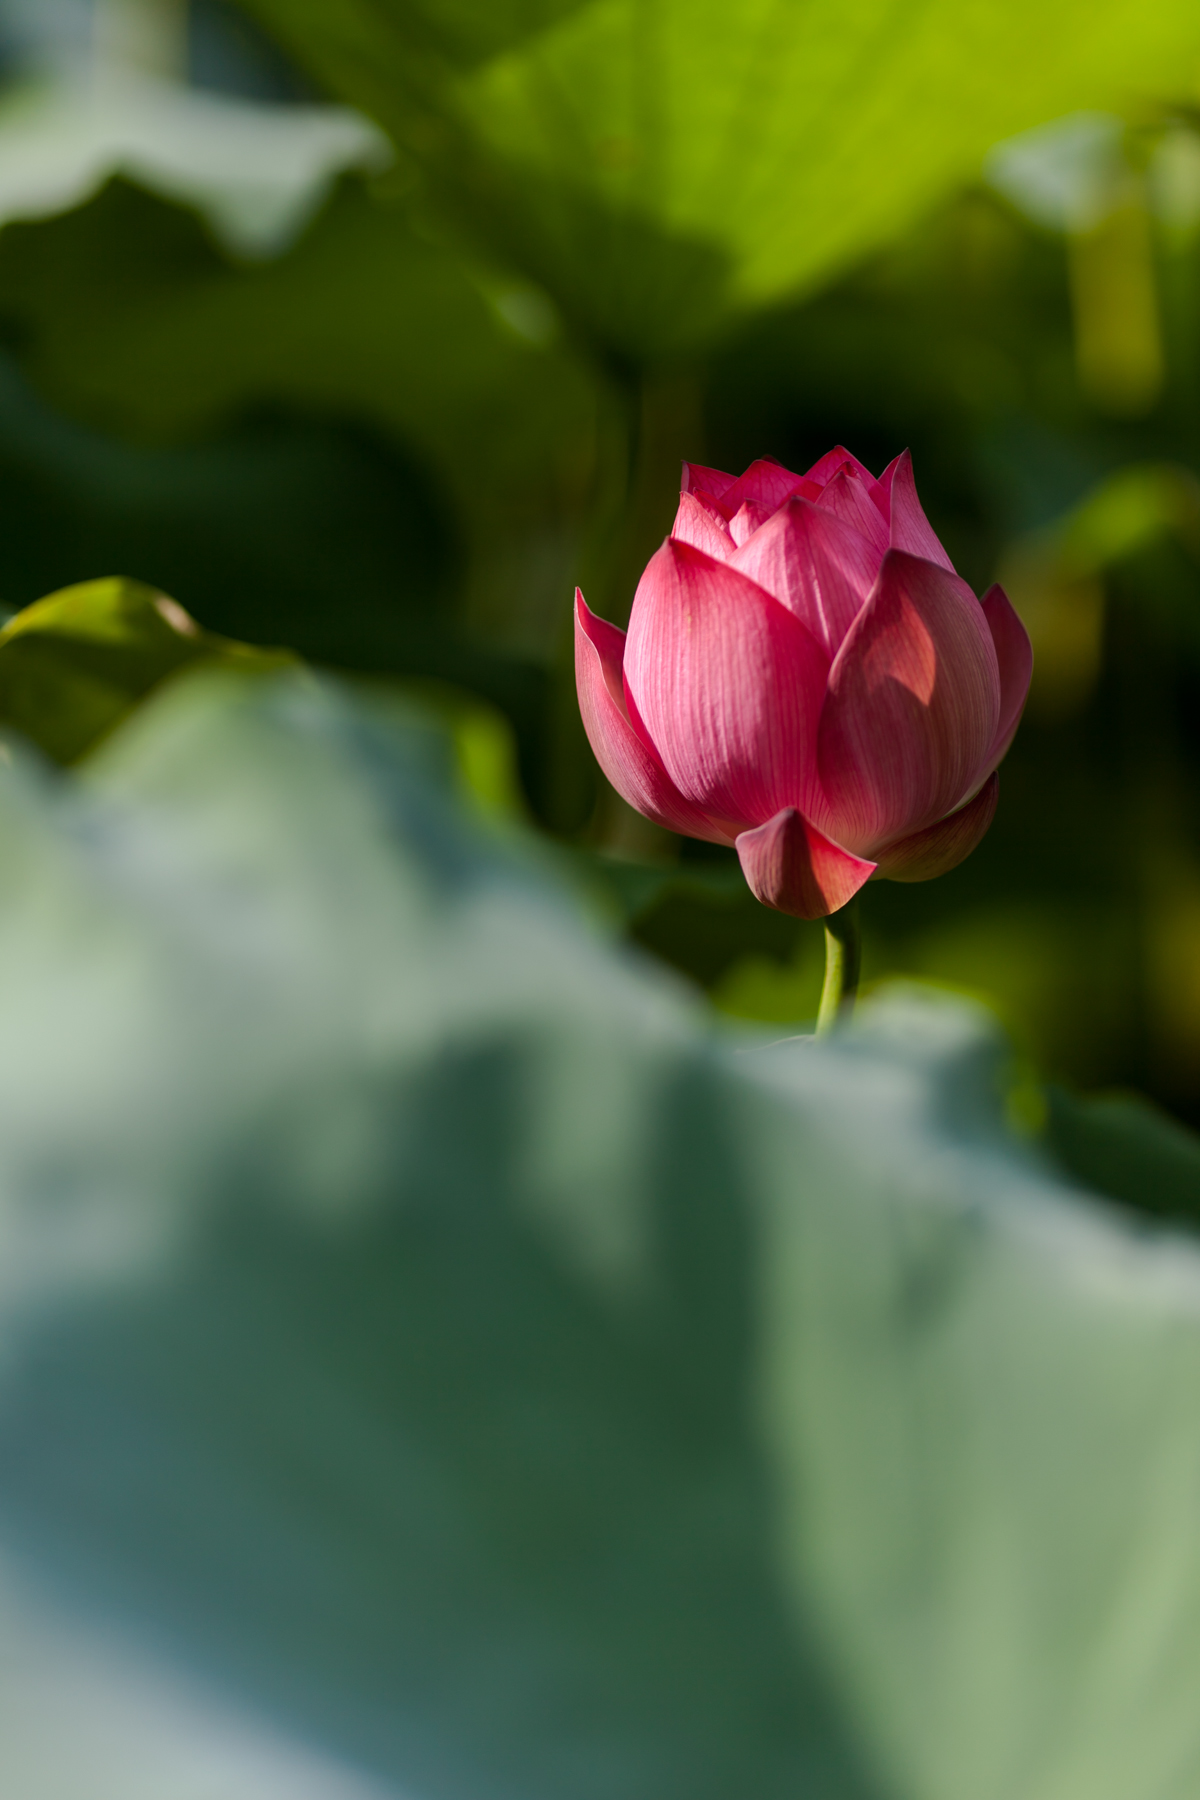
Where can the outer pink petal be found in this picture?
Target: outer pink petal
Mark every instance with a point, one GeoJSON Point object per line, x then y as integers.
{"type": "Point", "coordinates": [909, 529]}
{"type": "Point", "coordinates": [630, 763]}
{"type": "Point", "coordinates": [729, 686]}
{"type": "Point", "coordinates": [942, 846]}
{"type": "Point", "coordinates": [765, 483]}
{"type": "Point", "coordinates": [819, 568]}
{"type": "Point", "coordinates": [912, 709]}
{"type": "Point", "coordinates": [847, 497]}
{"type": "Point", "coordinates": [701, 524]}
{"type": "Point", "coordinates": [1014, 654]}
{"type": "Point", "coordinates": [709, 481]}
{"type": "Point", "coordinates": [795, 868]}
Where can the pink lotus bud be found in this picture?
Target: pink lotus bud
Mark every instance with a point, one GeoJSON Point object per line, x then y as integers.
{"type": "Point", "coordinates": [806, 677]}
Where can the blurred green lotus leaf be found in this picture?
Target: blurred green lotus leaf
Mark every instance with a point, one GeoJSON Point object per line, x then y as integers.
{"type": "Point", "coordinates": [1055, 576]}
{"type": "Point", "coordinates": [1121, 1145]}
{"type": "Point", "coordinates": [1128, 510]}
{"type": "Point", "coordinates": [257, 173]}
{"type": "Point", "coordinates": [659, 165]}
{"type": "Point", "coordinates": [436, 1362]}
{"type": "Point", "coordinates": [73, 665]}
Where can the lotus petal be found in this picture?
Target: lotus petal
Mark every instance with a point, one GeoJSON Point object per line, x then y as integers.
{"type": "Point", "coordinates": [943, 846]}
{"type": "Point", "coordinates": [847, 497]}
{"type": "Point", "coordinates": [729, 685]}
{"type": "Point", "coordinates": [630, 762]}
{"type": "Point", "coordinates": [912, 708]}
{"type": "Point", "coordinates": [1014, 655]}
{"type": "Point", "coordinates": [841, 458]}
{"type": "Point", "coordinates": [790, 865]}
{"type": "Point", "coordinates": [909, 529]}
{"type": "Point", "coordinates": [697, 479]}
{"type": "Point", "coordinates": [699, 522]}
{"type": "Point", "coordinates": [747, 519]}
{"type": "Point", "coordinates": [766, 484]}
{"type": "Point", "coordinates": [814, 564]}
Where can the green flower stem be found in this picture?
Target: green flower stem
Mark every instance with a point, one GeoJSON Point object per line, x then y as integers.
{"type": "Point", "coordinates": [843, 956]}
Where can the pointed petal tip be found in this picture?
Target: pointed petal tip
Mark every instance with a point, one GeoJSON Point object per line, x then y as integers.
{"type": "Point", "coordinates": [585, 617]}
{"type": "Point", "coordinates": [791, 866]}
{"type": "Point", "coordinates": [908, 528]}
{"type": "Point", "coordinates": [607, 642]}
{"type": "Point", "coordinates": [703, 525]}
{"type": "Point", "coordinates": [686, 555]}
{"type": "Point", "coordinates": [849, 493]}
{"type": "Point", "coordinates": [696, 477]}
{"type": "Point", "coordinates": [827, 466]}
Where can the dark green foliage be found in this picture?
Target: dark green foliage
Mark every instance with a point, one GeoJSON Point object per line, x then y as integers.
{"type": "Point", "coordinates": [1123, 1147]}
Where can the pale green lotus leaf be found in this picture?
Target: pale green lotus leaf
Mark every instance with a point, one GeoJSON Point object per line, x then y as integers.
{"type": "Point", "coordinates": [437, 1363]}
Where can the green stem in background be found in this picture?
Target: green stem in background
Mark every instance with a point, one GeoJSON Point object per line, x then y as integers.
{"type": "Point", "coordinates": [146, 37]}
{"type": "Point", "coordinates": [843, 956]}
{"type": "Point", "coordinates": [664, 424]}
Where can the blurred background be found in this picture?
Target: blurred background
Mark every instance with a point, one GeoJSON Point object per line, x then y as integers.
{"type": "Point", "coordinates": [369, 329]}
{"type": "Point", "coordinates": [434, 1361]}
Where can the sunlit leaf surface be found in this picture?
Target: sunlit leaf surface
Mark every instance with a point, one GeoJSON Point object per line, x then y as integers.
{"type": "Point", "coordinates": [659, 164]}
{"type": "Point", "coordinates": [74, 665]}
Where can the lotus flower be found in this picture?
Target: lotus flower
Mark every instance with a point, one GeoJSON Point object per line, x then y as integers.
{"type": "Point", "coordinates": [807, 678]}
